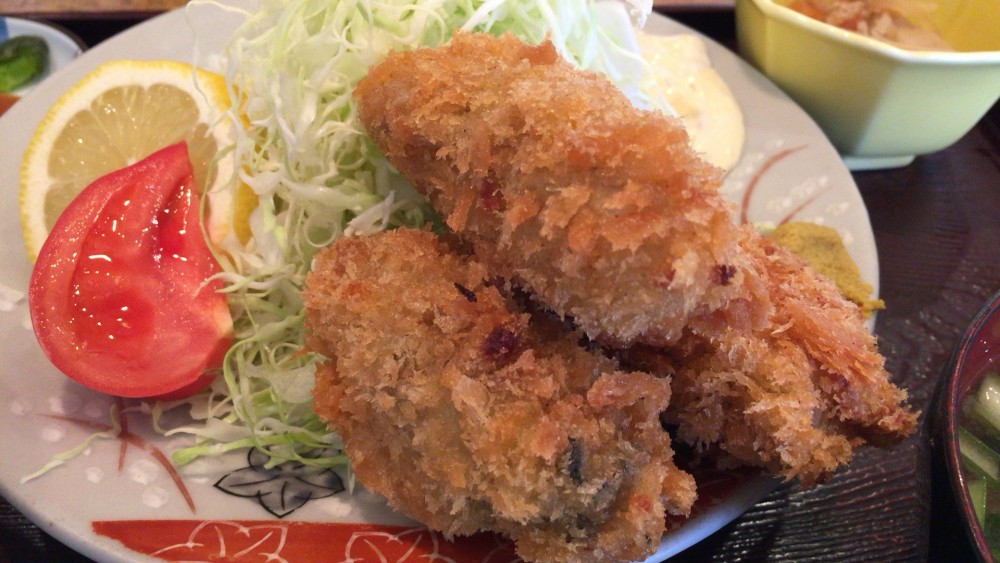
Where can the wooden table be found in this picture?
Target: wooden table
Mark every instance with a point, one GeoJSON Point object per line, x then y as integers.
{"type": "Point", "coordinates": [89, 9]}
{"type": "Point", "coordinates": [138, 9]}
{"type": "Point", "coordinates": [936, 227]}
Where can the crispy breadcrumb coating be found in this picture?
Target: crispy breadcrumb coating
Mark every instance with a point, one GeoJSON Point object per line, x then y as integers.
{"type": "Point", "coordinates": [605, 215]}
{"type": "Point", "coordinates": [467, 417]}
{"type": "Point", "coordinates": [796, 398]}
{"type": "Point", "coordinates": [602, 211]}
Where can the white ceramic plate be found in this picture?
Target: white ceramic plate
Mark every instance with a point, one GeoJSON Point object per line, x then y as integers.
{"type": "Point", "coordinates": [118, 511]}
{"type": "Point", "coordinates": [63, 48]}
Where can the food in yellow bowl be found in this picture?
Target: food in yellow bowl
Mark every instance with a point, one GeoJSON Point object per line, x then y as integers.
{"type": "Point", "coordinates": [897, 22]}
{"type": "Point", "coordinates": [881, 105]}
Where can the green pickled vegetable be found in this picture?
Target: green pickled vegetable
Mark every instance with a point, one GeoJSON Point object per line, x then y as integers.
{"type": "Point", "coordinates": [979, 446]}
{"type": "Point", "coordinates": [979, 458]}
{"type": "Point", "coordinates": [991, 530]}
{"type": "Point", "coordinates": [22, 58]}
{"type": "Point", "coordinates": [978, 491]}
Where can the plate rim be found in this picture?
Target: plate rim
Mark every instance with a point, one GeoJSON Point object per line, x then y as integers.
{"type": "Point", "coordinates": [98, 547]}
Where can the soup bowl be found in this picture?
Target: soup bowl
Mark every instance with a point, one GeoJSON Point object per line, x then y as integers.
{"type": "Point", "coordinates": [968, 421]}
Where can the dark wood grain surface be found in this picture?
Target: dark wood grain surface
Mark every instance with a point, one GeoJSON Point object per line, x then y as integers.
{"type": "Point", "coordinates": [87, 9]}
{"type": "Point", "coordinates": [937, 228]}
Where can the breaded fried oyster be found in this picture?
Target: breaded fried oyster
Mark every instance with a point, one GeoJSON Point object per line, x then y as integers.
{"type": "Point", "coordinates": [795, 398]}
{"type": "Point", "coordinates": [600, 210]}
{"type": "Point", "coordinates": [467, 418]}
{"type": "Point", "coordinates": [604, 215]}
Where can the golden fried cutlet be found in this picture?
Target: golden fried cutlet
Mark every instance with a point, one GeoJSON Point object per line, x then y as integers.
{"type": "Point", "coordinates": [467, 417]}
{"type": "Point", "coordinates": [606, 217]}
{"type": "Point", "coordinates": [602, 211]}
{"type": "Point", "coordinates": [796, 398]}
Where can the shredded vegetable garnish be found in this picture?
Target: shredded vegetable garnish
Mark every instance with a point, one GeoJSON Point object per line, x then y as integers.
{"type": "Point", "coordinates": [291, 68]}
{"type": "Point", "coordinates": [113, 431]}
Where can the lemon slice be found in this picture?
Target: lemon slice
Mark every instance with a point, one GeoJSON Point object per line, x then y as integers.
{"type": "Point", "coordinates": [116, 115]}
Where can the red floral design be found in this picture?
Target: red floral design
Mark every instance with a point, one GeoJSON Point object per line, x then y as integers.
{"type": "Point", "coordinates": [299, 542]}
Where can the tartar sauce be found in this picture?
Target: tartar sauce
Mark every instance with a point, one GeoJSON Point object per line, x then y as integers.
{"type": "Point", "coordinates": [681, 72]}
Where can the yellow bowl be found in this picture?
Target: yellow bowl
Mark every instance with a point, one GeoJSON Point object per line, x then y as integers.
{"type": "Point", "coordinates": [879, 104]}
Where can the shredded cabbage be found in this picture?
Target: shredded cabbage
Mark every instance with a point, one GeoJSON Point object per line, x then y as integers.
{"type": "Point", "coordinates": [291, 68]}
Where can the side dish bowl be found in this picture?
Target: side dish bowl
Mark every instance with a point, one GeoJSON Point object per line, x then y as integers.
{"type": "Point", "coordinates": [970, 440]}
{"type": "Point", "coordinates": [880, 105]}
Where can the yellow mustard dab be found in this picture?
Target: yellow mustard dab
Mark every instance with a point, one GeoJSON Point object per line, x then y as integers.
{"type": "Point", "coordinates": [821, 247]}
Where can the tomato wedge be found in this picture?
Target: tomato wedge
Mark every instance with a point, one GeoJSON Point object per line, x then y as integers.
{"type": "Point", "coordinates": [120, 296]}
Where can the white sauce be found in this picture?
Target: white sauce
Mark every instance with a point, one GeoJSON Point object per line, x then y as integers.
{"type": "Point", "coordinates": [681, 72]}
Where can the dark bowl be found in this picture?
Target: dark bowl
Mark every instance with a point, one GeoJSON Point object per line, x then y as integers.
{"type": "Point", "coordinates": [977, 354]}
